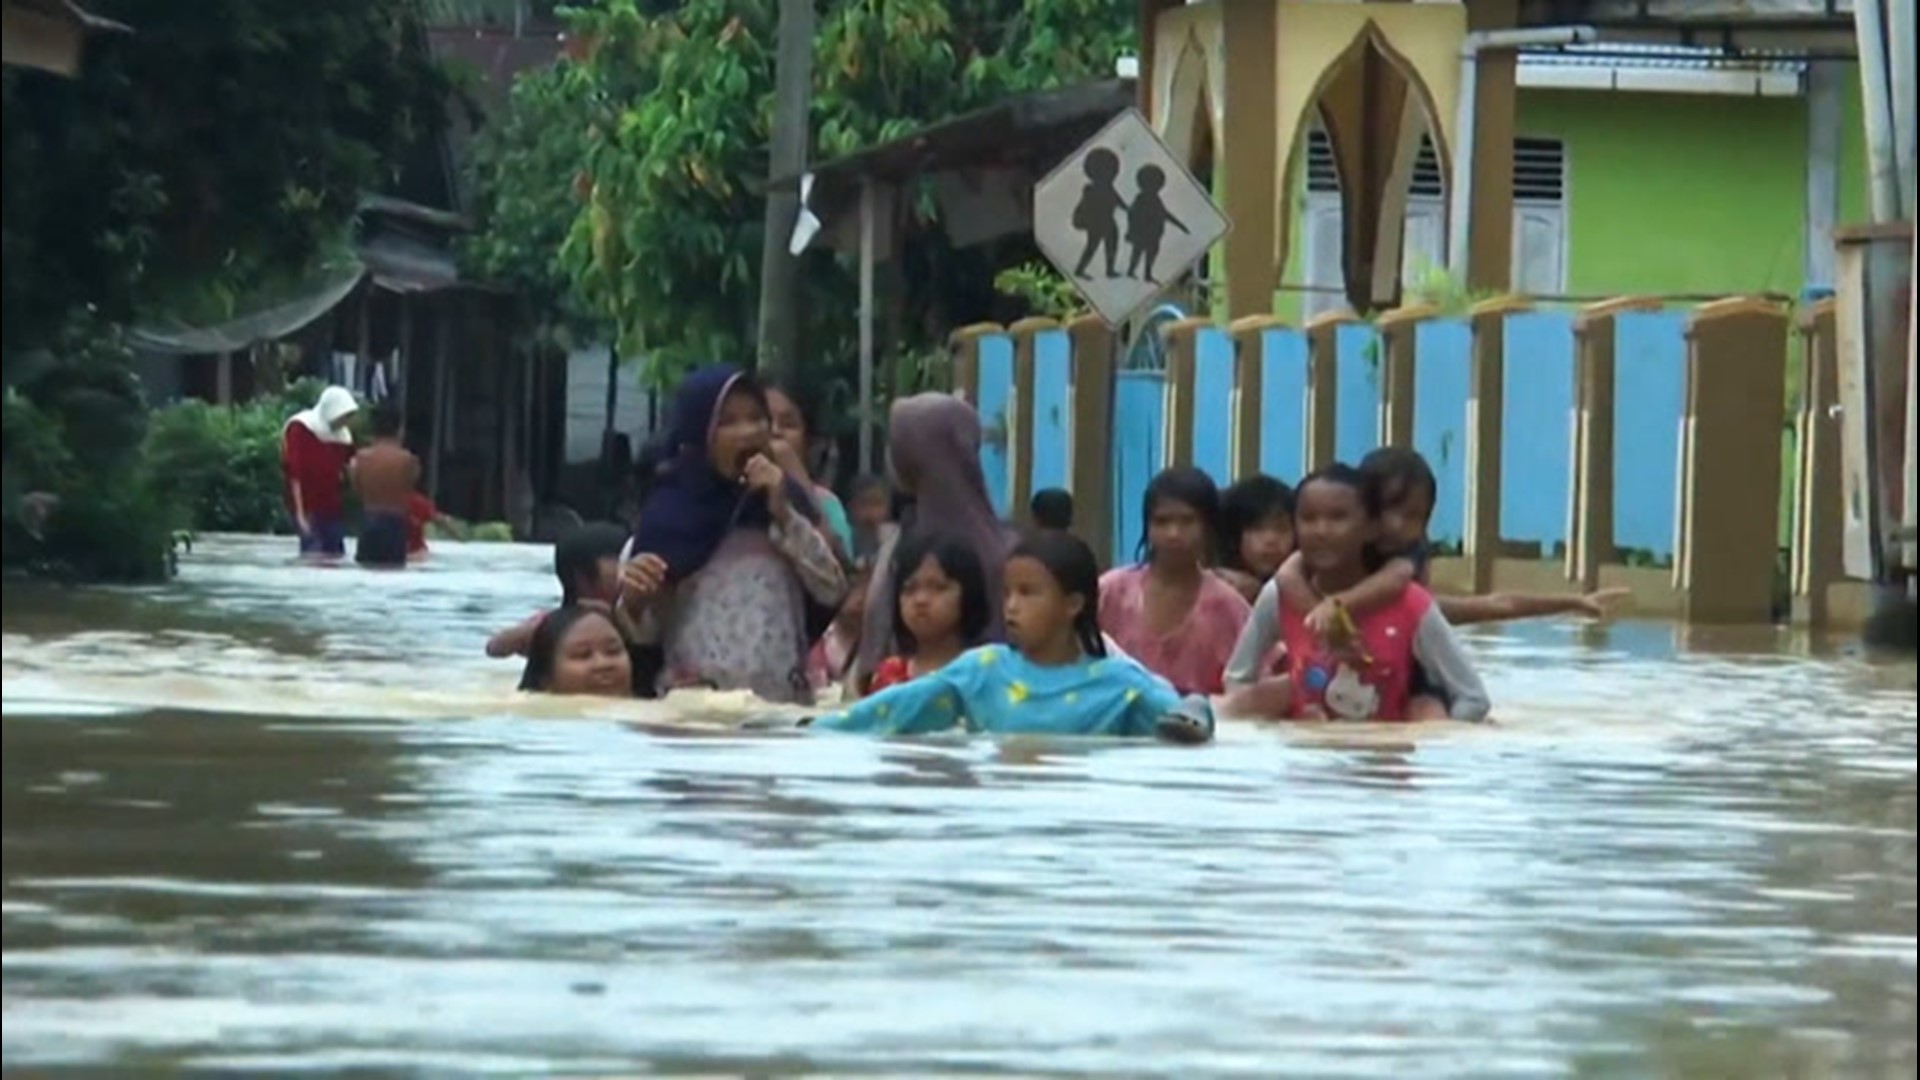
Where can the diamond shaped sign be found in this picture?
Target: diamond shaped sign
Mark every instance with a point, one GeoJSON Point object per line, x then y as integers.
{"type": "Point", "coordinates": [1122, 218]}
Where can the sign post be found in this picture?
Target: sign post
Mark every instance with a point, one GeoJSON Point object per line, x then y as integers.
{"type": "Point", "coordinates": [1122, 218]}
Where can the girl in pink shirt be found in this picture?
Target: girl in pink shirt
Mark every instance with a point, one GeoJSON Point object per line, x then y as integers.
{"type": "Point", "coordinates": [1169, 612]}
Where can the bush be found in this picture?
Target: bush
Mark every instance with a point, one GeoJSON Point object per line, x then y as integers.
{"type": "Point", "coordinates": [220, 464]}
{"type": "Point", "coordinates": [74, 425]}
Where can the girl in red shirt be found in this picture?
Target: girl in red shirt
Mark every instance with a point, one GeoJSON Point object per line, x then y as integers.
{"type": "Point", "coordinates": [941, 606]}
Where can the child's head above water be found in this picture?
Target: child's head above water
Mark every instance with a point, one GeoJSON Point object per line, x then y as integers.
{"type": "Point", "coordinates": [1256, 525]}
{"type": "Point", "coordinates": [1052, 508]}
{"type": "Point", "coordinates": [1407, 490]}
{"type": "Point", "coordinates": [1179, 517]}
{"type": "Point", "coordinates": [579, 651]}
{"type": "Point", "coordinates": [1052, 599]}
{"type": "Point", "coordinates": [869, 501]}
{"type": "Point", "coordinates": [1338, 520]}
{"type": "Point", "coordinates": [385, 422]}
{"type": "Point", "coordinates": [587, 562]}
{"type": "Point", "coordinates": [939, 592]}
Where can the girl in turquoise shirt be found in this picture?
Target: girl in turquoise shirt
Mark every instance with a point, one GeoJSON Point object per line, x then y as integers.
{"type": "Point", "coordinates": [1054, 678]}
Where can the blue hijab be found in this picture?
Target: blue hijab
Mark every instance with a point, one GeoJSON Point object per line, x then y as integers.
{"type": "Point", "coordinates": [692, 508]}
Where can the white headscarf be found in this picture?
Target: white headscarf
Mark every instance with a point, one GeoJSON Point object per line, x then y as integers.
{"type": "Point", "coordinates": [336, 404]}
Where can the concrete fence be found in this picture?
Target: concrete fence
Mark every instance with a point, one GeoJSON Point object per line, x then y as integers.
{"type": "Point", "coordinates": [1620, 444]}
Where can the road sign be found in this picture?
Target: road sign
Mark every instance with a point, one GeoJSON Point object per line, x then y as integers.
{"type": "Point", "coordinates": [1122, 218]}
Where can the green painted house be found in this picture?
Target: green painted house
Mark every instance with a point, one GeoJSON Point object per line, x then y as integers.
{"type": "Point", "coordinates": [1640, 169]}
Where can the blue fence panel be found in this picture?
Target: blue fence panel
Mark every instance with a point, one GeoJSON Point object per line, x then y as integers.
{"type": "Point", "coordinates": [996, 401]}
{"type": "Point", "coordinates": [1650, 380]}
{"type": "Point", "coordinates": [1139, 443]}
{"type": "Point", "coordinates": [1442, 381]}
{"type": "Point", "coordinates": [1356, 428]}
{"type": "Point", "coordinates": [1283, 410]}
{"type": "Point", "coordinates": [1052, 380]}
{"type": "Point", "coordinates": [1536, 449]}
{"type": "Point", "coordinates": [1213, 404]}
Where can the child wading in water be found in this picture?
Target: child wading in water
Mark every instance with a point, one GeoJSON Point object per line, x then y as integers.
{"type": "Point", "coordinates": [940, 596]}
{"type": "Point", "coordinates": [384, 475]}
{"type": "Point", "coordinates": [727, 559]}
{"type": "Point", "coordinates": [1363, 666]}
{"type": "Point", "coordinates": [1408, 491]}
{"type": "Point", "coordinates": [587, 562]}
{"type": "Point", "coordinates": [1169, 612]}
{"type": "Point", "coordinates": [1054, 679]}
{"type": "Point", "coordinates": [1256, 532]}
{"type": "Point", "coordinates": [578, 650]}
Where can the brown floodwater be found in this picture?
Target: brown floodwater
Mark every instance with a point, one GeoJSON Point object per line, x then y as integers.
{"type": "Point", "coordinates": [279, 820]}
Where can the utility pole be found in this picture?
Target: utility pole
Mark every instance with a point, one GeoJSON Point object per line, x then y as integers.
{"type": "Point", "coordinates": [779, 336]}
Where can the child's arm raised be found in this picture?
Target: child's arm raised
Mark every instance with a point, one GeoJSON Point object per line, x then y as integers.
{"type": "Point", "coordinates": [1439, 652]}
{"type": "Point", "coordinates": [515, 640]}
{"type": "Point", "coordinates": [1501, 607]}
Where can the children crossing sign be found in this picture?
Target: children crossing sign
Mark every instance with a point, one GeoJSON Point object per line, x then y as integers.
{"type": "Point", "coordinates": [1122, 218]}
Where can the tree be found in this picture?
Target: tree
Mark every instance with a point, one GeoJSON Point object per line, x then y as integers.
{"type": "Point", "coordinates": [664, 235]}
{"type": "Point", "coordinates": [220, 145]}
{"type": "Point", "coordinates": [214, 152]}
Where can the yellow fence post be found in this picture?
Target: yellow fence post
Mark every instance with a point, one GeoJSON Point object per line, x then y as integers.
{"type": "Point", "coordinates": [1020, 433]}
{"type": "Point", "coordinates": [1249, 390]}
{"type": "Point", "coordinates": [1323, 385]}
{"type": "Point", "coordinates": [963, 347]}
{"type": "Point", "coordinates": [1399, 353]}
{"type": "Point", "coordinates": [1590, 527]}
{"type": "Point", "coordinates": [1095, 356]}
{"type": "Point", "coordinates": [1819, 508]}
{"type": "Point", "coordinates": [1183, 347]}
{"type": "Point", "coordinates": [1486, 431]}
{"type": "Point", "coordinates": [1729, 527]}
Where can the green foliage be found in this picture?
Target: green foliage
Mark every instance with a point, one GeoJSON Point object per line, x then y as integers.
{"type": "Point", "coordinates": [1045, 292]}
{"type": "Point", "coordinates": [74, 423]}
{"type": "Point", "coordinates": [661, 132]}
{"type": "Point", "coordinates": [1438, 286]}
{"type": "Point", "coordinates": [222, 144]}
{"type": "Point", "coordinates": [220, 465]}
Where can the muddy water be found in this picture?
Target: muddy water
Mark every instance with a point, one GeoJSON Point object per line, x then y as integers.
{"type": "Point", "coordinates": [279, 820]}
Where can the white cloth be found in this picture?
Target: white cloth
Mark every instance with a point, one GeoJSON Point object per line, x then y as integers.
{"type": "Point", "coordinates": [336, 404]}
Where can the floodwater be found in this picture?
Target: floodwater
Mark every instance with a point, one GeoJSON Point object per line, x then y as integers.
{"type": "Point", "coordinates": [279, 820]}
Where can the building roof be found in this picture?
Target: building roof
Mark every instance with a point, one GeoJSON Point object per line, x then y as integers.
{"type": "Point", "coordinates": [1030, 130]}
{"type": "Point", "coordinates": [1793, 25]}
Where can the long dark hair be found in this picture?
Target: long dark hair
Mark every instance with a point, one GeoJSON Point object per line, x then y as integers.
{"type": "Point", "coordinates": [1243, 506]}
{"type": "Point", "coordinates": [1188, 486]}
{"type": "Point", "coordinates": [1366, 487]}
{"type": "Point", "coordinates": [1077, 572]}
{"type": "Point", "coordinates": [544, 650]}
{"type": "Point", "coordinates": [958, 561]}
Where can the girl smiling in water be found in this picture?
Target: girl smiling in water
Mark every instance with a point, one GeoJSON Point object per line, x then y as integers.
{"type": "Point", "coordinates": [1364, 669]}
{"type": "Point", "coordinates": [577, 650]}
{"type": "Point", "coordinates": [1055, 678]}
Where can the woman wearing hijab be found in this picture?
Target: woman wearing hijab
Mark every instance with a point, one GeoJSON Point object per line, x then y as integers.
{"type": "Point", "coordinates": [933, 443]}
{"type": "Point", "coordinates": [315, 447]}
{"type": "Point", "coordinates": [727, 559]}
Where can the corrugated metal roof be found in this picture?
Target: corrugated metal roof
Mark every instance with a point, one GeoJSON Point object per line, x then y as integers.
{"type": "Point", "coordinates": [1665, 58]}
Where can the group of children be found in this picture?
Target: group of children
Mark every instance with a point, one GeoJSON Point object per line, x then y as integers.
{"type": "Point", "coordinates": [742, 573]}
{"type": "Point", "coordinates": [320, 460]}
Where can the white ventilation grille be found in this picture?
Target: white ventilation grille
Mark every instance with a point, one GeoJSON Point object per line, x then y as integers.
{"type": "Point", "coordinates": [1539, 169]}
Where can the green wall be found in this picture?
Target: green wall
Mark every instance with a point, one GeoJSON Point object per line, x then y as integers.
{"type": "Point", "coordinates": [1670, 193]}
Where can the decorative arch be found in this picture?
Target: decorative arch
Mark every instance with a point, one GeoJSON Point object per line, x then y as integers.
{"type": "Point", "coordinates": [1375, 105]}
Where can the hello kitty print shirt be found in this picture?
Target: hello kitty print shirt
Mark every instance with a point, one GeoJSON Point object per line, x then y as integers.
{"type": "Point", "coordinates": [1370, 677]}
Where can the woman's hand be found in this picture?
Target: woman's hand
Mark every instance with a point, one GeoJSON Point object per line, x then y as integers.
{"type": "Point", "coordinates": [768, 478]}
{"type": "Point", "coordinates": [790, 459]}
{"type": "Point", "coordinates": [643, 577]}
